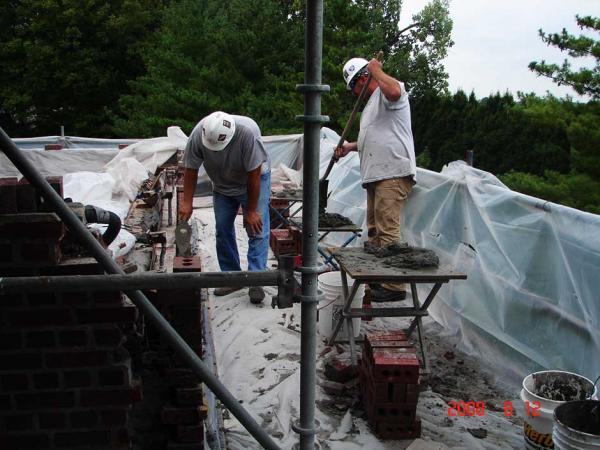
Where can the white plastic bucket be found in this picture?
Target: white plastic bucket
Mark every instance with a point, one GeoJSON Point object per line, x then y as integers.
{"type": "Point", "coordinates": [537, 429]}
{"type": "Point", "coordinates": [577, 426]}
{"type": "Point", "coordinates": [330, 308]}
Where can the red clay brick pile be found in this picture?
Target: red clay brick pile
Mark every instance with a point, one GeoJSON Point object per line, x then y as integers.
{"type": "Point", "coordinates": [389, 380]}
{"type": "Point", "coordinates": [185, 409]}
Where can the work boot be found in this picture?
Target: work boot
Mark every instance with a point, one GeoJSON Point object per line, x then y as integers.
{"type": "Point", "coordinates": [226, 290]}
{"type": "Point", "coordinates": [387, 295]}
{"type": "Point", "coordinates": [257, 294]}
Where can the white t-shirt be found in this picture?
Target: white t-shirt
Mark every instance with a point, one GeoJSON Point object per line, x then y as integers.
{"type": "Point", "coordinates": [385, 140]}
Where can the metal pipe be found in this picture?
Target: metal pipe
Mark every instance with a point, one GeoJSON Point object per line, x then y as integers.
{"type": "Point", "coordinates": [149, 280]}
{"type": "Point", "coordinates": [139, 299]}
{"type": "Point", "coordinates": [310, 213]}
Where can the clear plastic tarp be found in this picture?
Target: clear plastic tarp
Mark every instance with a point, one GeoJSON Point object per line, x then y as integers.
{"type": "Point", "coordinates": [532, 297]}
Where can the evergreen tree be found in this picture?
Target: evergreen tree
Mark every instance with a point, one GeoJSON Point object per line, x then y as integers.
{"type": "Point", "coordinates": [585, 81]}
{"type": "Point", "coordinates": [66, 63]}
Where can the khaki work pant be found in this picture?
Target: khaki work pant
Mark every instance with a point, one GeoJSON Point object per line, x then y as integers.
{"type": "Point", "coordinates": [385, 202]}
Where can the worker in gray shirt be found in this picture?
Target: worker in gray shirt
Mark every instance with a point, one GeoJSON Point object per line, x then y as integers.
{"type": "Point", "coordinates": [387, 156]}
{"type": "Point", "coordinates": [233, 154]}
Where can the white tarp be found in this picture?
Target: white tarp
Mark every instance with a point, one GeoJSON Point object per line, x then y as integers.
{"type": "Point", "coordinates": [532, 296]}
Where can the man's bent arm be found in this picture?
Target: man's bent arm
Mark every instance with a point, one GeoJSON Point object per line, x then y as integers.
{"type": "Point", "coordinates": [190, 178]}
{"type": "Point", "coordinates": [389, 86]}
{"type": "Point", "coordinates": [253, 219]}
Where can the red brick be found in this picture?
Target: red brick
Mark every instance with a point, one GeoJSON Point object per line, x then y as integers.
{"type": "Point", "coordinates": [185, 378]}
{"type": "Point", "coordinates": [11, 301]}
{"type": "Point", "coordinates": [97, 438]}
{"type": "Point", "coordinates": [20, 361]}
{"type": "Point", "coordinates": [391, 412]}
{"type": "Point", "coordinates": [89, 358]}
{"type": "Point", "coordinates": [25, 441]}
{"type": "Point", "coordinates": [187, 264]}
{"type": "Point", "coordinates": [27, 198]}
{"type": "Point", "coordinates": [394, 366]}
{"type": "Point", "coordinates": [14, 382]}
{"type": "Point", "coordinates": [32, 226]}
{"type": "Point", "coordinates": [175, 297]}
{"type": "Point", "coordinates": [172, 415]}
{"type": "Point", "coordinates": [113, 417]}
{"type": "Point", "coordinates": [53, 147]}
{"type": "Point", "coordinates": [339, 370]}
{"type": "Point", "coordinates": [39, 300]}
{"type": "Point", "coordinates": [390, 430]}
{"type": "Point", "coordinates": [188, 396]}
{"type": "Point", "coordinates": [108, 297]}
{"type": "Point", "coordinates": [41, 251]}
{"type": "Point", "coordinates": [40, 339]}
{"type": "Point", "coordinates": [52, 420]}
{"type": "Point", "coordinates": [10, 341]}
{"type": "Point", "coordinates": [73, 338]}
{"type": "Point", "coordinates": [46, 380]}
{"type": "Point", "coordinates": [193, 337]}
{"type": "Point", "coordinates": [120, 314]}
{"type": "Point", "coordinates": [77, 378]}
{"type": "Point", "coordinates": [41, 318]}
{"type": "Point", "coordinates": [110, 397]}
{"type": "Point", "coordinates": [8, 198]}
{"type": "Point", "coordinates": [116, 376]}
{"type": "Point", "coordinates": [83, 419]}
{"type": "Point", "coordinates": [184, 317]}
{"type": "Point", "coordinates": [18, 422]}
{"type": "Point", "coordinates": [109, 337]}
{"type": "Point", "coordinates": [393, 392]}
{"type": "Point", "coordinates": [45, 400]}
{"type": "Point", "coordinates": [190, 434]}
{"type": "Point", "coordinates": [74, 299]}
{"type": "Point", "coordinates": [5, 403]}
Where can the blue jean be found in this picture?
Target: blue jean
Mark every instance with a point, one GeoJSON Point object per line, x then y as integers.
{"type": "Point", "coordinates": [226, 209]}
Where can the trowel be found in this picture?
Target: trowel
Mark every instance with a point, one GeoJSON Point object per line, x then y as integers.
{"type": "Point", "coordinates": [323, 182]}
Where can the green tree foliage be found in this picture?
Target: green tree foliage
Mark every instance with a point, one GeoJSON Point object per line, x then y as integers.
{"type": "Point", "coordinates": [66, 63]}
{"type": "Point", "coordinates": [585, 81]}
{"type": "Point", "coordinates": [213, 55]}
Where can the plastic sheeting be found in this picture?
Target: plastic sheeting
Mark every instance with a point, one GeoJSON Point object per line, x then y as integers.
{"type": "Point", "coordinates": [532, 296]}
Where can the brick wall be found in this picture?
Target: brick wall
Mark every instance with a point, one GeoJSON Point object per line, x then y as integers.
{"type": "Point", "coordinates": [65, 377]}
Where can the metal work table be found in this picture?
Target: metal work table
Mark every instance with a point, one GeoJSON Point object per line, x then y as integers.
{"type": "Point", "coordinates": [365, 268]}
{"type": "Point", "coordinates": [293, 199]}
{"type": "Point", "coordinates": [324, 251]}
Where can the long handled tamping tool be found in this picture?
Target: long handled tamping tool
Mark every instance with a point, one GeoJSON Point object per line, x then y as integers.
{"type": "Point", "coordinates": [323, 182]}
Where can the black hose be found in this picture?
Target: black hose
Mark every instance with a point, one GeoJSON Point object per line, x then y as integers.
{"type": "Point", "coordinates": [93, 214]}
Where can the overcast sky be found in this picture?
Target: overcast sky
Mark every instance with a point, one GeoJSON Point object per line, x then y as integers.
{"type": "Point", "coordinates": [495, 40]}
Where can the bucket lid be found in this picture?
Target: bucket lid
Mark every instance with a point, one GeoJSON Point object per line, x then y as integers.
{"type": "Point", "coordinates": [581, 416]}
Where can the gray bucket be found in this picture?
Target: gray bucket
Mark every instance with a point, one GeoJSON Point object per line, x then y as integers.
{"type": "Point", "coordinates": [577, 425]}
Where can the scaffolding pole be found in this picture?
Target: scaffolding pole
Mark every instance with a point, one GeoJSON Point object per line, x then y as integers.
{"type": "Point", "coordinates": [312, 119]}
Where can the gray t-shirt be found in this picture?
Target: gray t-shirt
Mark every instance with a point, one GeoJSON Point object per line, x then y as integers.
{"type": "Point", "coordinates": [228, 169]}
{"type": "Point", "coordinates": [385, 140]}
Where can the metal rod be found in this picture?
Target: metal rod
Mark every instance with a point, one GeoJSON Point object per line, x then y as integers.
{"type": "Point", "coordinates": [137, 297]}
{"type": "Point", "coordinates": [149, 280]}
{"type": "Point", "coordinates": [310, 214]}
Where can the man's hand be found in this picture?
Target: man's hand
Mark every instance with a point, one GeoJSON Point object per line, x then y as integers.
{"type": "Point", "coordinates": [374, 66]}
{"type": "Point", "coordinates": [253, 223]}
{"type": "Point", "coordinates": [342, 151]}
{"type": "Point", "coordinates": [185, 211]}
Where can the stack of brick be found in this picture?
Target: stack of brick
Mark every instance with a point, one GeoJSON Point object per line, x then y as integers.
{"type": "Point", "coordinates": [286, 241]}
{"type": "Point", "coordinates": [65, 378]}
{"type": "Point", "coordinates": [185, 409]}
{"type": "Point", "coordinates": [30, 234]}
{"type": "Point", "coordinates": [389, 380]}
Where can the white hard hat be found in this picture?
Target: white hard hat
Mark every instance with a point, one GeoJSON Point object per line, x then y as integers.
{"type": "Point", "coordinates": [352, 68]}
{"type": "Point", "coordinates": [217, 130]}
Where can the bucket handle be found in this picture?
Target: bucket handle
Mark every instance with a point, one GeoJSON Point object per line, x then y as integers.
{"type": "Point", "coordinates": [594, 388]}
{"type": "Point", "coordinates": [332, 301]}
